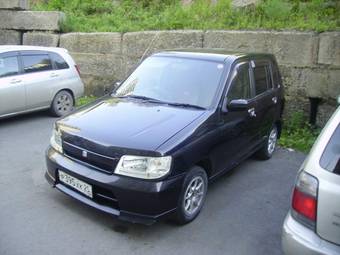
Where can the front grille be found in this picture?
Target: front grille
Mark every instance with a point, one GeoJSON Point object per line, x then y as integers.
{"type": "Point", "coordinates": [100, 162]}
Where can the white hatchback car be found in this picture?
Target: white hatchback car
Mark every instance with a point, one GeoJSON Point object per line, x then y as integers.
{"type": "Point", "coordinates": [35, 78]}
{"type": "Point", "coordinates": [313, 224]}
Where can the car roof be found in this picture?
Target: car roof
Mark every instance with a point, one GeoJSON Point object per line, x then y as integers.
{"type": "Point", "coordinates": [219, 55]}
{"type": "Point", "coordinates": [9, 48]}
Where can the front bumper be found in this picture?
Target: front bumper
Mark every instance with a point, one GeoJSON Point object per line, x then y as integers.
{"type": "Point", "coordinates": [130, 199]}
{"type": "Point", "coordinates": [297, 239]}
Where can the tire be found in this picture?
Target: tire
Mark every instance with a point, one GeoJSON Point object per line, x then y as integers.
{"type": "Point", "coordinates": [267, 151]}
{"type": "Point", "coordinates": [189, 206]}
{"type": "Point", "coordinates": [62, 104]}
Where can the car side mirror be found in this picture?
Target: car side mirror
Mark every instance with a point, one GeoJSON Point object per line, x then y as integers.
{"type": "Point", "coordinates": [117, 84]}
{"type": "Point", "coordinates": [238, 104]}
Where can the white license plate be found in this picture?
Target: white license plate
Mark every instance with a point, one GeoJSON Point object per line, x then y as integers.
{"type": "Point", "coordinates": [75, 183]}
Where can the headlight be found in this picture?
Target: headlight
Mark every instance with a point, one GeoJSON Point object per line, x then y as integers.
{"type": "Point", "coordinates": [56, 140]}
{"type": "Point", "coordinates": [143, 167]}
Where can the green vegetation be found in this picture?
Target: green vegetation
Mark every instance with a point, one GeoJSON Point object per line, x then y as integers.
{"type": "Point", "coordinates": [85, 100]}
{"type": "Point", "coordinates": [136, 15]}
{"type": "Point", "coordinates": [298, 134]}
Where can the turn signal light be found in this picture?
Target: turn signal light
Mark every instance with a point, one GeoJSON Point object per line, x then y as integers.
{"type": "Point", "coordinates": [77, 68]}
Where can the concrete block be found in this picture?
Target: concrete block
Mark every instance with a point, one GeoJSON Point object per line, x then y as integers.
{"type": "Point", "coordinates": [41, 39]}
{"type": "Point", "coordinates": [106, 43]}
{"type": "Point", "coordinates": [333, 84]}
{"type": "Point", "coordinates": [311, 82]}
{"type": "Point", "coordinates": [237, 41]}
{"type": "Point", "coordinates": [97, 85]}
{"type": "Point", "coordinates": [294, 87]}
{"type": "Point", "coordinates": [100, 64]}
{"type": "Point", "coordinates": [10, 37]}
{"type": "Point", "coordinates": [136, 43]}
{"type": "Point", "coordinates": [329, 48]}
{"type": "Point", "coordinates": [293, 48]}
{"type": "Point", "coordinates": [14, 4]}
{"type": "Point", "coordinates": [31, 20]}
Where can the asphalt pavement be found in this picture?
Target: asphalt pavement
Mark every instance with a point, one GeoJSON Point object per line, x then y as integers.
{"type": "Point", "coordinates": [243, 214]}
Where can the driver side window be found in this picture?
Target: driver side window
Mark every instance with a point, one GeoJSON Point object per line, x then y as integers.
{"type": "Point", "coordinates": [240, 85]}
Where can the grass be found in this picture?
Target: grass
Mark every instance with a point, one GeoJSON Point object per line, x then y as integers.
{"type": "Point", "coordinates": [85, 100]}
{"type": "Point", "coordinates": [297, 133]}
{"type": "Point", "coordinates": [136, 15]}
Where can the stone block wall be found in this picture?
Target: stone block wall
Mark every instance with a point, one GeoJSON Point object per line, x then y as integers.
{"type": "Point", "coordinates": [309, 61]}
{"type": "Point", "coordinates": [99, 56]}
{"type": "Point", "coordinates": [17, 24]}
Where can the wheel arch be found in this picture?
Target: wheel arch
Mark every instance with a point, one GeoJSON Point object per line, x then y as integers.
{"type": "Point", "coordinates": [278, 124]}
{"type": "Point", "coordinates": [206, 165]}
{"type": "Point", "coordinates": [68, 90]}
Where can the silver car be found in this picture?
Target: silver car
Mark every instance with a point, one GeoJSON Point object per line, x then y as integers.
{"type": "Point", "coordinates": [35, 78]}
{"type": "Point", "coordinates": [313, 224]}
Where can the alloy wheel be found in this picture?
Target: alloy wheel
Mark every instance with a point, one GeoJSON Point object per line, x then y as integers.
{"type": "Point", "coordinates": [272, 139]}
{"type": "Point", "coordinates": [194, 195]}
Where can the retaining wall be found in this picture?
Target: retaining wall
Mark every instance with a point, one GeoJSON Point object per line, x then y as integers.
{"type": "Point", "coordinates": [309, 61]}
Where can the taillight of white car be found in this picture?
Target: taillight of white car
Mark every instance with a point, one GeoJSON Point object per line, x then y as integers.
{"type": "Point", "coordinates": [77, 68]}
{"type": "Point", "coordinates": [305, 198]}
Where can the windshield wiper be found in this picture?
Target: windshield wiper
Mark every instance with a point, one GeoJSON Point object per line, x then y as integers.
{"type": "Point", "coordinates": [141, 97]}
{"type": "Point", "coordinates": [153, 100]}
{"type": "Point", "coordinates": [186, 105]}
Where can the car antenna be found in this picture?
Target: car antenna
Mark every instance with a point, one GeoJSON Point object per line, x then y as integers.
{"type": "Point", "coordinates": [149, 46]}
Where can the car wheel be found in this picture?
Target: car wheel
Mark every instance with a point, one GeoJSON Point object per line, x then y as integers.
{"type": "Point", "coordinates": [192, 196]}
{"type": "Point", "coordinates": [267, 151]}
{"type": "Point", "coordinates": [62, 104]}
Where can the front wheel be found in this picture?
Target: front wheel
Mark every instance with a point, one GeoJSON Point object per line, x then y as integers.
{"type": "Point", "coordinates": [192, 196]}
{"type": "Point", "coordinates": [267, 151]}
{"type": "Point", "coordinates": [62, 104]}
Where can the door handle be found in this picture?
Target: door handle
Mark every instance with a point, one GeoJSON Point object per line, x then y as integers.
{"type": "Point", "coordinates": [15, 81]}
{"type": "Point", "coordinates": [252, 112]}
{"type": "Point", "coordinates": [274, 99]}
{"type": "Point", "coordinates": [53, 75]}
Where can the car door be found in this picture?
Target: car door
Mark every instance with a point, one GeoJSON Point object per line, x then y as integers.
{"type": "Point", "coordinates": [236, 125]}
{"type": "Point", "coordinates": [39, 77]}
{"type": "Point", "coordinates": [265, 96]}
{"type": "Point", "coordinates": [12, 88]}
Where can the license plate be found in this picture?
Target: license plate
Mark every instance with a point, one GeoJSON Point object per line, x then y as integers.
{"type": "Point", "coordinates": [76, 183]}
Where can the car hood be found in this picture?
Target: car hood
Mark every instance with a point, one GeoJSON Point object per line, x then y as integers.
{"type": "Point", "coordinates": [128, 123]}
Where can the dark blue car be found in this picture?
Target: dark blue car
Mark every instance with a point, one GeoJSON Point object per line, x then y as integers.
{"type": "Point", "coordinates": [181, 119]}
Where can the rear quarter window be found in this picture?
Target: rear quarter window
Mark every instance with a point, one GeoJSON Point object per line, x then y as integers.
{"type": "Point", "coordinates": [276, 75]}
{"type": "Point", "coordinates": [330, 159]}
{"type": "Point", "coordinates": [59, 61]}
{"type": "Point", "coordinates": [262, 78]}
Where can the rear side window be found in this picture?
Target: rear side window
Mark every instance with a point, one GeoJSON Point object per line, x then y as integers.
{"type": "Point", "coordinates": [276, 75]}
{"type": "Point", "coordinates": [36, 63]}
{"type": "Point", "coordinates": [240, 86]}
{"type": "Point", "coordinates": [262, 78]}
{"type": "Point", "coordinates": [59, 62]}
{"type": "Point", "coordinates": [330, 159]}
{"type": "Point", "coordinates": [9, 66]}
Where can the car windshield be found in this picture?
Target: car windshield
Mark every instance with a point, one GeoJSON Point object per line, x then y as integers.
{"type": "Point", "coordinates": [174, 80]}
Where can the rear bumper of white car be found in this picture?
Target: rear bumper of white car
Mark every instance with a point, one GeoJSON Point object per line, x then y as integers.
{"type": "Point", "coordinates": [297, 239]}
